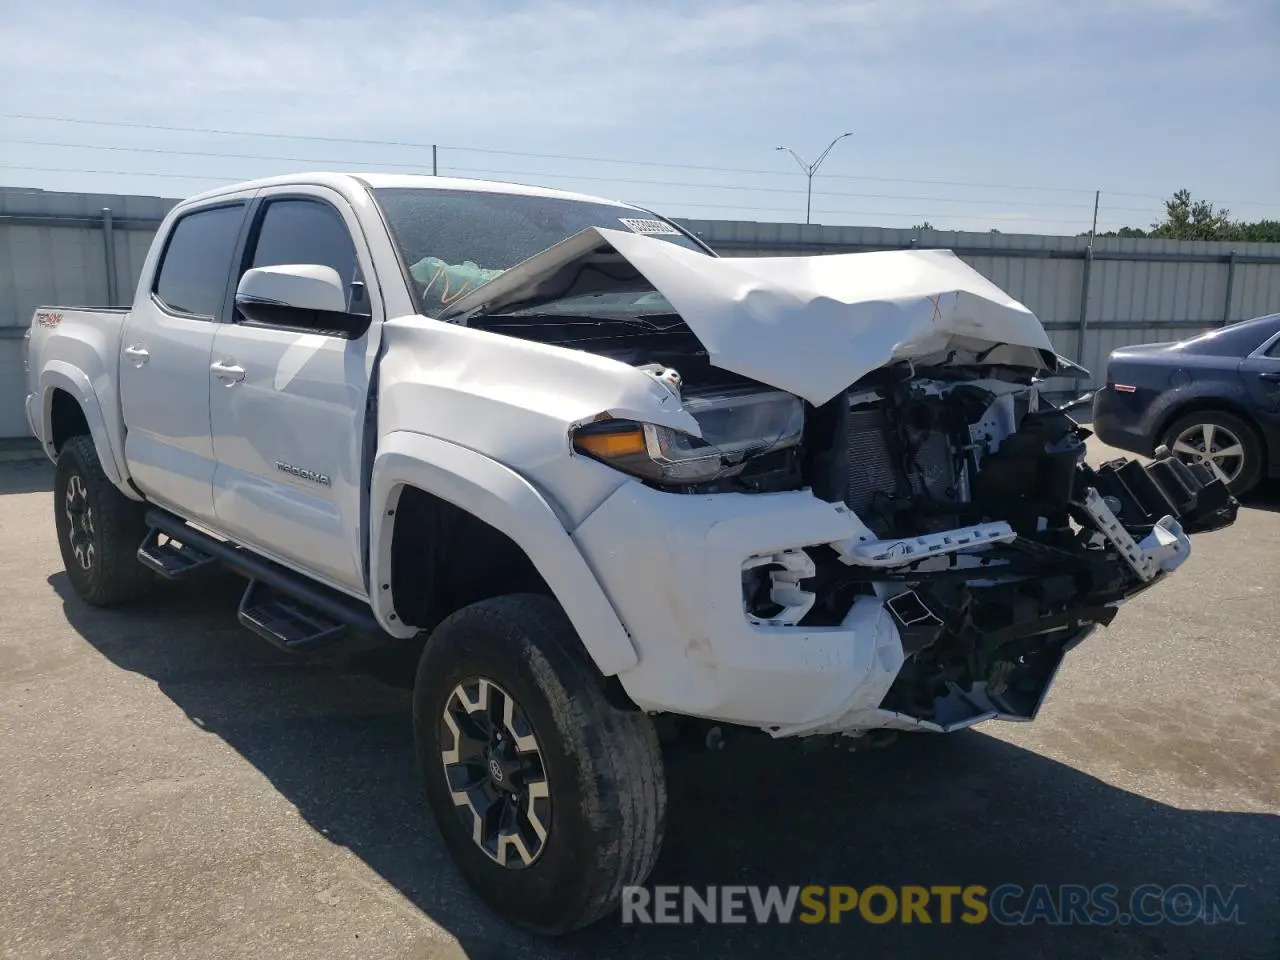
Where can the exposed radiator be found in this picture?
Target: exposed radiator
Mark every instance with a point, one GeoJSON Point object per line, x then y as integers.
{"type": "Point", "coordinates": [870, 466]}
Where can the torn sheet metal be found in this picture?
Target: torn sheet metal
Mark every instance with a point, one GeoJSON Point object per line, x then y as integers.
{"type": "Point", "coordinates": [809, 325]}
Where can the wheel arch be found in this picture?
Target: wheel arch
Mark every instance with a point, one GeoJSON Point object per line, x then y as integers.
{"type": "Point", "coordinates": [66, 419]}
{"type": "Point", "coordinates": [71, 406]}
{"type": "Point", "coordinates": [1206, 404]}
{"type": "Point", "coordinates": [518, 527]}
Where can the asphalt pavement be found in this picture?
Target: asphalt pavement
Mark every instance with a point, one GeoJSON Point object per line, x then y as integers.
{"type": "Point", "coordinates": [174, 787]}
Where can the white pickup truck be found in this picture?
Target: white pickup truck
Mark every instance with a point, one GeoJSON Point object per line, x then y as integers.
{"type": "Point", "coordinates": [600, 476]}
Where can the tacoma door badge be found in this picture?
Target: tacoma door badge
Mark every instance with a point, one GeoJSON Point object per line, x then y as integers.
{"type": "Point", "coordinates": [304, 474]}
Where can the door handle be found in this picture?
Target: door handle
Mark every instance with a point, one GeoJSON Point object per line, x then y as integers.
{"type": "Point", "coordinates": [227, 371]}
{"type": "Point", "coordinates": [1270, 377]}
{"type": "Point", "coordinates": [137, 353]}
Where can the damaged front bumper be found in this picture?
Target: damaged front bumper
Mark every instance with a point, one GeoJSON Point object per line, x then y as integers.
{"type": "Point", "coordinates": [785, 612]}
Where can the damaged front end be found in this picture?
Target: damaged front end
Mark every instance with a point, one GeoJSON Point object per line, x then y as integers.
{"type": "Point", "coordinates": [992, 543]}
{"type": "Point", "coordinates": [901, 389]}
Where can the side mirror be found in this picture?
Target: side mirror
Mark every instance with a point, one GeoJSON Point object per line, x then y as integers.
{"type": "Point", "coordinates": [300, 296]}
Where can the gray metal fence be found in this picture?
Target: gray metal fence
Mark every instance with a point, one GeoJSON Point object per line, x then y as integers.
{"type": "Point", "coordinates": [63, 248]}
{"type": "Point", "coordinates": [76, 248]}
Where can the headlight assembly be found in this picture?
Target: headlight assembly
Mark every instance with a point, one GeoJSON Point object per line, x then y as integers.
{"type": "Point", "coordinates": [736, 426]}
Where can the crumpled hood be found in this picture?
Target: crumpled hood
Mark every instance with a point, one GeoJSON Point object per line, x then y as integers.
{"type": "Point", "coordinates": [810, 325]}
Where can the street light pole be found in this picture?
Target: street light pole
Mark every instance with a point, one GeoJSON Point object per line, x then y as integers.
{"type": "Point", "coordinates": [810, 169]}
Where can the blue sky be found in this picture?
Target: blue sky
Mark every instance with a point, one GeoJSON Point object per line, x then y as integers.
{"type": "Point", "coordinates": [952, 103]}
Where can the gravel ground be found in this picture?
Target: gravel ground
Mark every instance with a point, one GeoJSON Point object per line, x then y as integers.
{"type": "Point", "coordinates": [174, 787]}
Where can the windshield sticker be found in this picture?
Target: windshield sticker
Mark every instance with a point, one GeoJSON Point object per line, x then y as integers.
{"type": "Point", "coordinates": [650, 227]}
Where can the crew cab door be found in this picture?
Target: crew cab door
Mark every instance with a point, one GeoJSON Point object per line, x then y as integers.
{"type": "Point", "coordinates": [288, 407]}
{"type": "Point", "coordinates": [164, 360]}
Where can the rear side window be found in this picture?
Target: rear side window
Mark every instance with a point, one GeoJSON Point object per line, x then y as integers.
{"type": "Point", "coordinates": [310, 232]}
{"type": "Point", "coordinates": [197, 261]}
{"type": "Point", "coordinates": [1236, 340]}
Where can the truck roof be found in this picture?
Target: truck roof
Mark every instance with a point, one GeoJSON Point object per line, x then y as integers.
{"type": "Point", "coordinates": [357, 180]}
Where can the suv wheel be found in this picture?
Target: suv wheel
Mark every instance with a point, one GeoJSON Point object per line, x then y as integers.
{"type": "Point", "coordinates": [99, 529]}
{"type": "Point", "coordinates": [550, 798]}
{"type": "Point", "coordinates": [1221, 440]}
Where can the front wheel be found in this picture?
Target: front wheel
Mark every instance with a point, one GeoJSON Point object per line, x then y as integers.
{"type": "Point", "coordinates": [550, 798]}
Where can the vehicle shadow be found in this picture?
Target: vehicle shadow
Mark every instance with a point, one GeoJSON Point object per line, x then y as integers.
{"type": "Point", "coordinates": [1265, 496]}
{"type": "Point", "coordinates": [964, 809]}
{"type": "Point", "coordinates": [26, 476]}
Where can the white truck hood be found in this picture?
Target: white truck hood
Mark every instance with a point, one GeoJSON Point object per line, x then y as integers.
{"type": "Point", "coordinates": [810, 325]}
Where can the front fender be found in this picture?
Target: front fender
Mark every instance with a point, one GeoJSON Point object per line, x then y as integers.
{"type": "Point", "coordinates": [60, 375]}
{"type": "Point", "coordinates": [506, 501]}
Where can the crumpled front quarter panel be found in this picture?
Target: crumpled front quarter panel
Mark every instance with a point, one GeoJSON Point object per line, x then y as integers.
{"type": "Point", "coordinates": [515, 401]}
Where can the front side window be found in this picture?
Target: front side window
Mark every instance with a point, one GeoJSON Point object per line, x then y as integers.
{"type": "Point", "coordinates": [310, 232]}
{"type": "Point", "coordinates": [193, 272]}
{"type": "Point", "coordinates": [452, 241]}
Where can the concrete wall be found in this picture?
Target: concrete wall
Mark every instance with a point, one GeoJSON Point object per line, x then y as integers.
{"type": "Point", "coordinates": [60, 248]}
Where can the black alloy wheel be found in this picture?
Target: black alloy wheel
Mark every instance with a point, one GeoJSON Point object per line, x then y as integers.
{"type": "Point", "coordinates": [495, 772]}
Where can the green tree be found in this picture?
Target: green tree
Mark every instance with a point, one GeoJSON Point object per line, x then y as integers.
{"type": "Point", "coordinates": [1122, 232]}
{"type": "Point", "coordinates": [1261, 231]}
{"type": "Point", "coordinates": [1188, 219]}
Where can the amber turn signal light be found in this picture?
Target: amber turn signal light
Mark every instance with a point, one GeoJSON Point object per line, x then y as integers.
{"type": "Point", "coordinates": [615, 443]}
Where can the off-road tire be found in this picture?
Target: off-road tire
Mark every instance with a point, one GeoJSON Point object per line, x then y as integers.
{"type": "Point", "coordinates": [1251, 470]}
{"type": "Point", "coordinates": [113, 575]}
{"type": "Point", "coordinates": [602, 763]}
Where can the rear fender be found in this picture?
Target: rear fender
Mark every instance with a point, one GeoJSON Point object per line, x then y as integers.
{"type": "Point", "coordinates": [60, 375]}
{"type": "Point", "coordinates": [1211, 396]}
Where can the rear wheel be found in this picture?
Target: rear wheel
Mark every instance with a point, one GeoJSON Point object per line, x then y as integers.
{"type": "Point", "coordinates": [1219, 440]}
{"type": "Point", "coordinates": [99, 529]}
{"type": "Point", "coordinates": [550, 798]}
